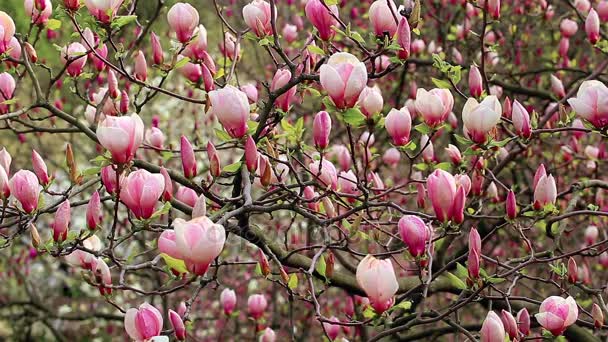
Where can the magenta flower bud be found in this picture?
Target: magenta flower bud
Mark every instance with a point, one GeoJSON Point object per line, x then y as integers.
{"type": "Point", "coordinates": [475, 82]}
{"type": "Point", "coordinates": [75, 55]}
{"type": "Point", "coordinates": [415, 234]}
{"type": "Point", "coordinates": [108, 178]}
{"type": "Point", "coordinates": [141, 67]}
{"type": "Point", "coordinates": [507, 108]}
{"type": "Point", "coordinates": [7, 87]}
{"type": "Point", "coordinates": [572, 270]}
{"type": "Point", "coordinates": [256, 305]}
{"type": "Point", "coordinates": [183, 19]}
{"type": "Point", "coordinates": [40, 168]}
{"type": "Point", "coordinates": [40, 11]}
{"type": "Point", "coordinates": [568, 28]}
{"type": "Point", "coordinates": [442, 188]}
{"type": "Point", "coordinates": [404, 38]}
{"type": "Point", "coordinates": [343, 77]}
{"type": "Point", "coordinates": [377, 278]}
{"type": "Point", "coordinates": [188, 158]}
{"type": "Point", "coordinates": [208, 81]}
{"type": "Point", "coordinates": [557, 87]}
{"type": "Point", "coordinates": [168, 188]}
{"type": "Point", "coordinates": [381, 17]}
{"type": "Point", "coordinates": [473, 264]}
{"type": "Point", "coordinates": [494, 8]}
{"type": "Point", "coordinates": [268, 335]}
{"type": "Point", "coordinates": [113, 84]}
{"type": "Point", "coordinates": [257, 17]}
{"type": "Point", "coordinates": [94, 214]}
{"type": "Point", "coordinates": [140, 191]}
{"type": "Point", "coordinates": [310, 195]}
{"type": "Point", "coordinates": [343, 155]}
{"type": "Point", "coordinates": [564, 45]}
{"type": "Point", "coordinates": [371, 101]}
{"type": "Point", "coordinates": [523, 321]}
{"type": "Point", "coordinates": [332, 330]}
{"type": "Point", "coordinates": [591, 235]}
{"type": "Point", "coordinates": [589, 103]}
{"type": "Point", "coordinates": [72, 5]}
{"type": "Point", "coordinates": [290, 33]}
{"type": "Point", "coordinates": [228, 301]}
{"type": "Point", "coordinates": [592, 26]}
{"type": "Point", "coordinates": [281, 79]}
{"type": "Point", "coordinates": [509, 323]}
{"type": "Point", "coordinates": [602, 10]}
{"type": "Point", "coordinates": [143, 323]}
{"type": "Point", "coordinates": [167, 244]}
{"type": "Point", "coordinates": [229, 47]}
{"type": "Point", "coordinates": [474, 241]}
{"type": "Point", "coordinates": [5, 190]}
{"type": "Point", "coordinates": [521, 120]}
{"type": "Point", "coordinates": [124, 102]}
{"type": "Point", "coordinates": [157, 49]}
{"type": "Point", "coordinates": [325, 172]}
{"type": "Point", "coordinates": [215, 167]}
{"type": "Point", "coordinates": [321, 129]}
{"type": "Point", "coordinates": [61, 224]}
{"type": "Point", "coordinates": [231, 107]}
{"type": "Point", "coordinates": [556, 314]}
{"type": "Point", "coordinates": [454, 154]}
{"type": "Point", "coordinates": [457, 211]}
{"type": "Point", "coordinates": [434, 106]}
{"type": "Point", "coordinates": [321, 18]}
{"type": "Point", "coordinates": [122, 136]}
{"type": "Point", "coordinates": [545, 192]}
{"type": "Point", "coordinates": [480, 118]}
{"type": "Point", "coordinates": [251, 91]}
{"type": "Point", "coordinates": [251, 154]}
{"type": "Point", "coordinates": [392, 156]}
{"type": "Point", "coordinates": [598, 316]}
{"type": "Point", "coordinates": [492, 329]}
{"type": "Point", "coordinates": [103, 276]}
{"type": "Point", "coordinates": [104, 11]}
{"type": "Point", "coordinates": [155, 137]}
{"type": "Point", "coordinates": [193, 72]}
{"type": "Point", "coordinates": [511, 205]}
{"type": "Point", "coordinates": [24, 186]}
{"type": "Point", "coordinates": [178, 325]}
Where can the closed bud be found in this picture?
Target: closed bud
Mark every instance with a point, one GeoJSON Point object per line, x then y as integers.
{"type": "Point", "coordinates": [31, 52]}
{"type": "Point", "coordinates": [475, 82]}
{"type": "Point", "coordinates": [403, 38]}
{"type": "Point", "coordinates": [168, 190]}
{"type": "Point", "coordinates": [71, 163]}
{"type": "Point", "coordinates": [200, 207]}
{"type": "Point", "coordinates": [157, 50]}
{"type": "Point", "coordinates": [62, 222]}
{"type": "Point", "coordinates": [188, 158]}
{"type": "Point", "coordinates": [415, 234]}
{"type": "Point", "coordinates": [40, 168]}
{"type": "Point", "coordinates": [265, 170]}
{"type": "Point", "coordinates": [557, 87]}
{"type": "Point", "coordinates": [329, 265]}
{"type": "Point", "coordinates": [398, 124]}
{"type": "Point", "coordinates": [521, 120]}
{"type": "Point", "coordinates": [35, 236]}
{"type": "Point", "coordinates": [592, 26]}
{"type": "Point", "coordinates": [141, 67]}
{"type": "Point", "coordinates": [523, 321]}
{"type": "Point", "coordinates": [598, 316]}
{"type": "Point", "coordinates": [214, 160]}
{"type": "Point", "coordinates": [178, 325]}
{"type": "Point", "coordinates": [113, 84]}
{"type": "Point", "coordinates": [94, 214]}
{"type": "Point", "coordinates": [511, 205]}
{"type": "Point", "coordinates": [284, 275]}
{"type": "Point", "coordinates": [251, 154]}
{"type": "Point", "coordinates": [123, 107]}
{"type": "Point", "coordinates": [572, 270]}
{"type": "Point", "coordinates": [509, 323]}
{"type": "Point", "coordinates": [321, 129]}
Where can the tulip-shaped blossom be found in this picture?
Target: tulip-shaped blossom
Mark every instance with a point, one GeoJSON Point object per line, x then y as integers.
{"type": "Point", "coordinates": [251, 154]}
{"type": "Point", "coordinates": [392, 156]}
{"type": "Point", "coordinates": [75, 55]}
{"type": "Point", "coordinates": [94, 213]}
{"type": "Point", "coordinates": [404, 36]}
{"type": "Point", "coordinates": [523, 320]}
{"type": "Point", "coordinates": [325, 171]}
{"type": "Point", "coordinates": [592, 26]}
{"type": "Point", "coordinates": [321, 129]}
{"type": "Point", "coordinates": [591, 103]}
{"type": "Point", "coordinates": [197, 47]}
{"type": "Point", "coordinates": [140, 191]}
{"type": "Point", "coordinates": [343, 77]}
{"type": "Point", "coordinates": [7, 87]}
{"type": "Point", "coordinates": [199, 241]}
{"type": "Point", "coordinates": [509, 323]}
{"type": "Point", "coordinates": [454, 154]}
{"type": "Point", "coordinates": [321, 18]}
{"type": "Point", "coordinates": [447, 197]}
{"type": "Point", "coordinates": [251, 91]}
{"type": "Point", "coordinates": [228, 301]}
{"type": "Point", "coordinates": [183, 19]}
{"type": "Point", "coordinates": [103, 10]}
{"type": "Point", "coordinates": [434, 105]}
{"type": "Point", "coordinates": [141, 66]}
{"type": "Point", "coordinates": [557, 87]}
{"type": "Point", "coordinates": [122, 136]}
{"type": "Point", "coordinates": [281, 78]}
{"type": "Point", "coordinates": [415, 234]}
{"type": "Point", "coordinates": [179, 329]}
{"type": "Point", "coordinates": [188, 158]}
{"type": "Point", "coordinates": [492, 329]}
{"type": "Point", "coordinates": [256, 305]}
{"type": "Point", "coordinates": [215, 167]}
{"type": "Point", "coordinates": [257, 16]}
{"type": "Point", "coordinates": [398, 124]}
{"type": "Point", "coordinates": [511, 205]}
{"type": "Point", "coordinates": [39, 15]}
{"type": "Point", "coordinates": [157, 49]}
{"type": "Point", "coordinates": [572, 270]}
{"type": "Point", "coordinates": [231, 107]}
{"type": "Point", "coordinates": [84, 259]}
{"type": "Point", "coordinates": [332, 330]}
{"type": "Point", "coordinates": [230, 48]}
{"type": "Point", "coordinates": [480, 118]}
{"type": "Point", "coordinates": [155, 137]}
{"type": "Point", "coordinates": [545, 190]}
{"type": "Point", "coordinates": [475, 82]}
{"type": "Point", "coordinates": [597, 315]}
{"type": "Point", "coordinates": [108, 178]}
{"type": "Point", "coordinates": [494, 8]}
{"type": "Point", "coordinates": [143, 323]}
{"type": "Point", "coordinates": [381, 16]}
{"type": "Point", "coordinates": [268, 335]}
{"type": "Point", "coordinates": [5, 189]}
{"type": "Point", "coordinates": [371, 101]}
{"type": "Point", "coordinates": [61, 224]}
{"type": "Point", "coordinates": [474, 254]}
{"type": "Point", "coordinates": [7, 32]}
{"type": "Point", "coordinates": [556, 314]}
{"type": "Point", "coordinates": [24, 186]}
{"type": "Point", "coordinates": [521, 120]}
{"type": "Point", "coordinates": [378, 280]}
{"type": "Point", "coordinates": [40, 168]}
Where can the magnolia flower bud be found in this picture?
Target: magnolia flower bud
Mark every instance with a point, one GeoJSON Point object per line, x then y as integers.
{"type": "Point", "coordinates": [321, 129]}
{"type": "Point", "coordinates": [598, 316]}
{"type": "Point", "coordinates": [188, 158]}
{"type": "Point", "coordinates": [475, 82]}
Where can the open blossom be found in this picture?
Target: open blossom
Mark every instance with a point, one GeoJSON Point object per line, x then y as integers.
{"type": "Point", "coordinates": [381, 16]}
{"type": "Point", "coordinates": [140, 192]}
{"type": "Point", "coordinates": [378, 280]}
{"type": "Point", "coordinates": [415, 234]}
{"type": "Point", "coordinates": [343, 77]}
{"type": "Point", "coordinates": [75, 55]}
{"type": "Point", "coordinates": [39, 15]}
{"type": "Point", "coordinates": [281, 79]}
{"type": "Point", "coordinates": [199, 241]}
{"type": "Point", "coordinates": [321, 18]}
{"type": "Point", "coordinates": [492, 329]}
{"type": "Point", "coordinates": [448, 197]}
{"type": "Point", "coordinates": [183, 19]}
{"type": "Point", "coordinates": [591, 103]}
{"type": "Point", "coordinates": [556, 314]}
{"type": "Point", "coordinates": [480, 118]}
{"type": "Point", "coordinates": [434, 105]}
{"type": "Point", "coordinates": [103, 10]}
{"type": "Point", "coordinates": [7, 31]}
{"type": "Point", "coordinates": [257, 16]}
{"type": "Point", "coordinates": [143, 323]}
{"type": "Point", "coordinates": [325, 171]}
{"type": "Point", "coordinates": [122, 136]}
{"type": "Point", "coordinates": [24, 186]}
{"type": "Point", "coordinates": [231, 107]}
{"type": "Point", "coordinates": [197, 47]}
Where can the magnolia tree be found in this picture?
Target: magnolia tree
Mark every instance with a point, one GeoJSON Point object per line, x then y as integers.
{"type": "Point", "coordinates": [303, 170]}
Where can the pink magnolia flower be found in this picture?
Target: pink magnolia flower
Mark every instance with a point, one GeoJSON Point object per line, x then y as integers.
{"type": "Point", "coordinates": [256, 305]}
{"type": "Point", "coordinates": [229, 47]}
{"type": "Point", "coordinates": [24, 186]}
{"type": "Point", "coordinates": [332, 330]}
{"type": "Point", "coordinates": [281, 79]}
{"type": "Point", "coordinates": [371, 101]}
{"type": "Point", "coordinates": [40, 168]}
{"type": "Point", "coordinates": [602, 10]}
{"type": "Point", "coordinates": [7, 32]}
{"type": "Point", "coordinates": [454, 154]}
{"type": "Point", "coordinates": [75, 55]}
{"type": "Point", "coordinates": [251, 91]}
{"type": "Point", "coordinates": [321, 18]}
{"type": "Point", "coordinates": [122, 136]}
{"type": "Point", "coordinates": [557, 87]}
{"type": "Point", "coordinates": [5, 189]}
{"type": "Point", "coordinates": [448, 197]}
{"type": "Point", "coordinates": [94, 214]}
{"type": "Point", "coordinates": [183, 19]}
{"type": "Point", "coordinates": [231, 107]}
{"type": "Point", "coordinates": [188, 158]}
{"type": "Point", "coordinates": [108, 178]}
{"type": "Point", "coordinates": [103, 10]}
{"type": "Point", "coordinates": [84, 259]}
{"type": "Point", "coordinates": [343, 77]}
{"type": "Point", "coordinates": [157, 49]}
{"type": "Point", "coordinates": [321, 129]}
{"type": "Point", "coordinates": [228, 300]}
{"type": "Point", "coordinates": [140, 192]}
{"type": "Point", "coordinates": [392, 156]}
{"type": "Point", "coordinates": [494, 8]}
{"type": "Point", "coordinates": [598, 316]}
{"type": "Point", "coordinates": [7, 87]}
{"type": "Point", "coordinates": [103, 276]}
{"type": "Point", "coordinates": [257, 16]}
{"type": "Point", "coordinates": [523, 320]}
{"type": "Point", "coordinates": [197, 47]}
{"type": "Point", "coordinates": [545, 191]}
{"type": "Point", "coordinates": [381, 16]}
{"type": "Point", "coordinates": [475, 82]}
{"type": "Point", "coordinates": [199, 242]}
{"type": "Point", "coordinates": [268, 335]}
{"type": "Point", "coordinates": [200, 207]}
{"type": "Point", "coordinates": [179, 329]}
{"type": "Point", "coordinates": [480, 118]}
{"type": "Point", "coordinates": [404, 36]}
{"type": "Point", "coordinates": [509, 324]}
{"type": "Point", "coordinates": [511, 205]}
{"type": "Point", "coordinates": [556, 314]}
{"type": "Point", "coordinates": [568, 28]}
{"type": "Point", "coordinates": [434, 106]}
{"type": "Point", "coordinates": [415, 234]}
{"type": "Point", "coordinates": [398, 124]}
{"type": "Point", "coordinates": [378, 280]}
{"type": "Point", "coordinates": [591, 103]}
{"type": "Point", "coordinates": [143, 323]}
{"type": "Point", "coordinates": [186, 195]}
{"type": "Point", "coordinates": [492, 329]}
{"type": "Point", "coordinates": [61, 224]}
{"type": "Point", "coordinates": [290, 33]}
{"type": "Point", "coordinates": [39, 15]}
{"type": "Point", "coordinates": [155, 137]}
{"type": "Point", "coordinates": [141, 66]}
{"type": "Point", "coordinates": [521, 120]}
{"type": "Point", "coordinates": [325, 171]}
{"type": "Point", "coordinates": [592, 26]}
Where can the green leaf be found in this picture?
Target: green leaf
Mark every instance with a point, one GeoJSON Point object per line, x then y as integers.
{"type": "Point", "coordinates": [264, 42]}
{"type": "Point", "coordinates": [455, 281]}
{"type": "Point", "coordinates": [331, 2]}
{"type": "Point", "coordinates": [421, 166]}
{"type": "Point", "coordinates": [445, 166]}
{"type": "Point", "coordinates": [121, 21]}
{"type": "Point", "coordinates": [495, 280]}
{"type": "Point", "coordinates": [405, 305]}
{"type": "Point", "coordinates": [356, 36]}
{"type": "Point", "coordinates": [53, 24]}
{"type": "Point", "coordinates": [174, 264]}
{"type": "Point", "coordinates": [423, 128]}
{"type": "Point", "coordinates": [91, 171]}
{"type": "Point", "coordinates": [181, 63]}
{"type": "Point", "coordinates": [354, 117]}
{"type": "Point", "coordinates": [321, 266]}
{"type": "Point", "coordinates": [441, 83]}
{"type": "Point", "coordinates": [293, 281]}
{"type": "Point", "coordinates": [234, 167]}
{"type": "Point", "coordinates": [315, 49]}
{"type": "Point", "coordinates": [10, 101]}
{"type": "Point", "coordinates": [461, 271]}
{"type": "Point", "coordinates": [258, 269]}
{"type": "Point", "coordinates": [222, 135]}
